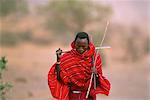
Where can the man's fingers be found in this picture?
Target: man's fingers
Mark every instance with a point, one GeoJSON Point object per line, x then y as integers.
{"type": "Point", "coordinates": [59, 51]}
{"type": "Point", "coordinates": [94, 70]}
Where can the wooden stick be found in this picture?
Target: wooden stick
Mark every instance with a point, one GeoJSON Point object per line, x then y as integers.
{"type": "Point", "coordinates": [88, 91]}
{"type": "Point", "coordinates": [103, 47]}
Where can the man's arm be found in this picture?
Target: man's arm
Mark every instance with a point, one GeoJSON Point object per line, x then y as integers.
{"type": "Point", "coordinates": [57, 68]}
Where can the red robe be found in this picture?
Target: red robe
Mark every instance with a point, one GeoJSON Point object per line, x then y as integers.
{"type": "Point", "coordinates": [75, 75]}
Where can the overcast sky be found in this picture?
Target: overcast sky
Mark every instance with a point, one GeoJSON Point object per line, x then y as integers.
{"type": "Point", "coordinates": [131, 11]}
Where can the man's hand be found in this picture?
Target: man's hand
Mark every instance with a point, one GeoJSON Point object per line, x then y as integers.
{"type": "Point", "coordinates": [58, 53]}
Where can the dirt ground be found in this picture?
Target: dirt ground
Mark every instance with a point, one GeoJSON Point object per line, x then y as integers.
{"type": "Point", "coordinates": [28, 66]}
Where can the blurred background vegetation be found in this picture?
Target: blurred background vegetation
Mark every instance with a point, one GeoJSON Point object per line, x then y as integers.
{"type": "Point", "coordinates": [65, 18]}
{"type": "Point", "coordinates": [61, 17]}
{"type": "Point", "coordinates": [50, 23]}
{"type": "Point", "coordinates": [14, 7]}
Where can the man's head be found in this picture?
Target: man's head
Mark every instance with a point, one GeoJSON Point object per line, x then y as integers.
{"type": "Point", "coordinates": [82, 42]}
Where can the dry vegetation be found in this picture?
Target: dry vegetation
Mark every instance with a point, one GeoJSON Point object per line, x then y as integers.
{"type": "Point", "coordinates": [30, 48]}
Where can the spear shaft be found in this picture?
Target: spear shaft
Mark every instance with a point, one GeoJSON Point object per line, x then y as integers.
{"type": "Point", "coordinates": [95, 63]}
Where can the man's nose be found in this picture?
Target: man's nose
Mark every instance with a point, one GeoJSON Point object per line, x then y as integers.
{"type": "Point", "coordinates": [80, 48]}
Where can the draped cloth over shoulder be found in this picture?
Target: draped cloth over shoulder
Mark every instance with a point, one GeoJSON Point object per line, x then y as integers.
{"type": "Point", "coordinates": [75, 75]}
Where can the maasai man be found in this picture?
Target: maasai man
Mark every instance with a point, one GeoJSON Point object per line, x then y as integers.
{"type": "Point", "coordinates": [69, 77]}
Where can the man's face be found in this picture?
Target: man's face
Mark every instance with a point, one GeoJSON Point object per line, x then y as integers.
{"type": "Point", "coordinates": [81, 45]}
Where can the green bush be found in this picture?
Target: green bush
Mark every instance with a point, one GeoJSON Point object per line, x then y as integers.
{"type": "Point", "coordinates": [11, 39]}
{"type": "Point", "coordinates": [4, 87]}
{"type": "Point", "coordinates": [8, 7]}
{"type": "Point", "coordinates": [8, 38]}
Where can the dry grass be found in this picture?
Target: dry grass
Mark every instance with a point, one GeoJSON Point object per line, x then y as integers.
{"type": "Point", "coordinates": [29, 64]}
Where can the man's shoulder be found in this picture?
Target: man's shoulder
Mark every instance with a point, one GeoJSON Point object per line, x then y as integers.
{"type": "Point", "coordinates": [67, 55]}
{"type": "Point", "coordinates": [67, 58]}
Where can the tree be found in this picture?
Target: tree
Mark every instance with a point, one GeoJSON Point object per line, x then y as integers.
{"type": "Point", "coordinates": [65, 16]}
{"type": "Point", "coordinates": [8, 7]}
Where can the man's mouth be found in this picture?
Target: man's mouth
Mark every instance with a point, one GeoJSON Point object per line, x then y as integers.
{"type": "Point", "coordinates": [80, 51]}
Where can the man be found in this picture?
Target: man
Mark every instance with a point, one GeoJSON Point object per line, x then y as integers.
{"type": "Point", "coordinates": [69, 77]}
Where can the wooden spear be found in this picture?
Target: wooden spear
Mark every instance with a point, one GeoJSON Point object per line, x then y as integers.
{"type": "Point", "coordinates": [87, 94]}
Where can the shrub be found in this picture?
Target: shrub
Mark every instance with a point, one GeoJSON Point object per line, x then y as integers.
{"type": "Point", "coordinates": [4, 87]}
{"type": "Point", "coordinates": [11, 39]}
{"type": "Point", "coordinates": [8, 38]}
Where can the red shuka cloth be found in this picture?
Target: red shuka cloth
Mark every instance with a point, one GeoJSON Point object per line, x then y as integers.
{"type": "Point", "coordinates": [76, 73]}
